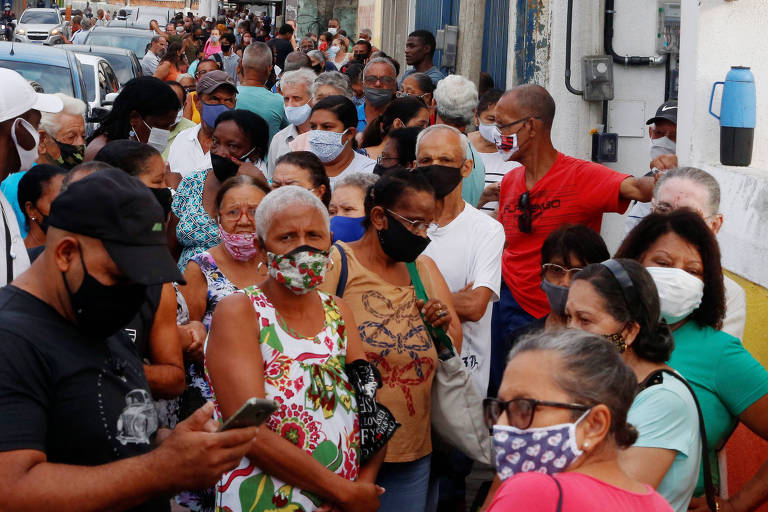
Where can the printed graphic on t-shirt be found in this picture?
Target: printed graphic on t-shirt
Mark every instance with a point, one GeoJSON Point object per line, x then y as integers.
{"type": "Point", "coordinates": [138, 421]}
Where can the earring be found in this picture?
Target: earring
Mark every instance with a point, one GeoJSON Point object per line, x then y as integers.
{"type": "Point", "coordinates": [34, 219]}
{"type": "Point", "coordinates": [261, 264]}
{"type": "Point", "coordinates": [586, 444]}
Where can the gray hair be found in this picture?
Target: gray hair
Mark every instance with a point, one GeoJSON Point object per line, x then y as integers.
{"type": "Point", "coordinates": [703, 178]}
{"type": "Point", "coordinates": [367, 32]}
{"type": "Point", "coordinates": [182, 76]}
{"type": "Point", "coordinates": [456, 100]}
{"type": "Point", "coordinates": [301, 76]}
{"type": "Point", "coordinates": [590, 372]}
{"type": "Point", "coordinates": [72, 106]}
{"type": "Point", "coordinates": [257, 56]}
{"type": "Point", "coordinates": [86, 24]}
{"type": "Point", "coordinates": [380, 60]}
{"type": "Point", "coordinates": [316, 54]}
{"type": "Point", "coordinates": [361, 180]}
{"type": "Point", "coordinates": [437, 127]}
{"type": "Point", "coordinates": [337, 80]}
{"type": "Point", "coordinates": [157, 38]}
{"type": "Point", "coordinates": [284, 198]}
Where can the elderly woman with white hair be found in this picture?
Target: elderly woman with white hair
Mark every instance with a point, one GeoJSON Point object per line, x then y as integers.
{"type": "Point", "coordinates": [455, 104]}
{"type": "Point", "coordinates": [286, 341]}
{"type": "Point", "coordinates": [296, 88]}
{"type": "Point", "coordinates": [347, 206]}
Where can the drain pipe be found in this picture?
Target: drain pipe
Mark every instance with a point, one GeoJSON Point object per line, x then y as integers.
{"type": "Point", "coordinates": [568, 29]}
{"type": "Point", "coordinates": [655, 60]}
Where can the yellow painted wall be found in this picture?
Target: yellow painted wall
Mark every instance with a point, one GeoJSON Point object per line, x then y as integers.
{"type": "Point", "coordinates": [756, 331]}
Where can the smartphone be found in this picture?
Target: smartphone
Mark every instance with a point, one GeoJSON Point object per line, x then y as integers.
{"type": "Point", "coordinates": [253, 413]}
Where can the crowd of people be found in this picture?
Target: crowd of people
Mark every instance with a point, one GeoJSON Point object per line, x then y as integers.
{"type": "Point", "coordinates": [304, 219]}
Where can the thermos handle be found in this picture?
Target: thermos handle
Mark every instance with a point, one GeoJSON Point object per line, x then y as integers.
{"type": "Point", "coordinates": [712, 96]}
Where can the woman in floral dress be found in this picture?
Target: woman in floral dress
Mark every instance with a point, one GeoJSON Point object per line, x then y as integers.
{"type": "Point", "coordinates": [288, 342]}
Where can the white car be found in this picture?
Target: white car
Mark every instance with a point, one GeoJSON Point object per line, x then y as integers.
{"type": "Point", "coordinates": [40, 26]}
{"type": "Point", "coordinates": [101, 81]}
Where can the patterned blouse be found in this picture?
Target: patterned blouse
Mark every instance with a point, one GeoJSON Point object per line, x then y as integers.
{"type": "Point", "coordinates": [317, 409]}
{"type": "Point", "coordinates": [197, 231]}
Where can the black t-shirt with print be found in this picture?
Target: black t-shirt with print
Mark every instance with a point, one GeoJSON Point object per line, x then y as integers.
{"type": "Point", "coordinates": [80, 402]}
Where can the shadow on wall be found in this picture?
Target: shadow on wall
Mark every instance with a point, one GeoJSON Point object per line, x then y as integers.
{"type": "Point", "coordinates": [313, 16]}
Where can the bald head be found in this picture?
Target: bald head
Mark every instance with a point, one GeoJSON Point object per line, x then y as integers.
{"type": "Point", "coordinates": [530, 100]}
{"type": "Point", "coordinates": [448, 139]}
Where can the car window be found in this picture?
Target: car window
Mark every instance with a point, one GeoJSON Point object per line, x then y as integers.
{"type": "Point", "coordinates": [138, 44]}
{"type": "Point", "coordinates": [53, 78]}
{"type": "Point", "coordinates": [90, 81]}
{"type": "Point", "coordinates": [122, 66]}
{"type": "Point", "coordinates": [104, 84]}
{"type": "Point", "coordinates": [40, 17]}
{"type": "Point", "coordinates": [112, 81]}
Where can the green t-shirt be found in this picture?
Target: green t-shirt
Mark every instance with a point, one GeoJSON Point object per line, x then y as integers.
{"type": "Point", "coordinates": [266, 104]}
{"type": "Point", "coordinates": [724, 375]}
{"type": "Point", "coordinates": [472, 186]}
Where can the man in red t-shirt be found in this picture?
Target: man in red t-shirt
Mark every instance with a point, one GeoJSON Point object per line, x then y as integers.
{"type": "Point", "coordinates": [549, 189]}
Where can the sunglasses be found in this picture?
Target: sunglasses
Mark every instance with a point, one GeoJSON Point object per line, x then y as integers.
{"type": "Point", "coordinates": [525, 219]}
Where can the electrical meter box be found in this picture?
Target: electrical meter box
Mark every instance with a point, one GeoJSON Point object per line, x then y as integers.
{"type": "Point", "coordinates": [597, 77]}
{"type": "Point", "coordinates": [447, 40]}
{"type": "Point", "coordinates": [605, 147]}
{"type": "Point", "coordinates": [668, 34]}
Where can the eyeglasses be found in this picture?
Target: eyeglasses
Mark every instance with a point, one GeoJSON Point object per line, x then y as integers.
{"type": "Point", "coordinates": [403, 94]}
{"type": "Point", "coordinates": [515, 122]}
{"type": "Point", "coordinates": [380, 159]}
{"type": "Point", "coordinates": [553, 271]}
{"type": "Point", "coordinates": [520, 411]}
{"type": "Point", "coordinates": [385, 80]}
{"type": "Point", "coordinates": [234, 214]}
{"type": "Point", "coordinates": [525, 219]}
{"type": "Point", "coordinates": [416, 225]}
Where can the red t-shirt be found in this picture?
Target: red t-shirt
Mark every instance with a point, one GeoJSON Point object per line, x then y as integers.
{"type": "Point", "coordinates": [572, 192]}
{"type": "Point", "coordinates": [535, 492]}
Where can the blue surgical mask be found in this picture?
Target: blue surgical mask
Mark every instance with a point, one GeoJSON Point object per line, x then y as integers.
{"type": "Point", "coordinates": [211, 112]}
{"type": "Point", "coordinates": [326, 145]}
{"type": "Point", "coordinates": [298, 115]}
{"type": "Point", "coordinates": [347, 229]}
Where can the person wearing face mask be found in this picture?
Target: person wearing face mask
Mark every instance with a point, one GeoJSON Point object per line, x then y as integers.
{"type": "Point", "coordinates": [213, 44]}
{"type": "Point", "coordinates": [347, 207]}
{"type": "Point", "coordinates": [156, 50]}
{"type": "Point", "coordinates": [549, 189]}
{"type": "Point", "coordinates": [681, 253]}
{"type": "Point", "coordinates": [62, 345]}
{"type": "Point", "coordinates": [20, 114]}
{"type": "Point", "coordinates": [338, 53]}
{"type": "Point", "coordinates": [37, 190]}
{"type": "Point", "coordinates": [239, 146]}
{"type": "Point", "coordinates": [333, 26]}
{"type": "Point", "coordinates": [190, 152]}
{"type": "Point", "coordinates": [380, 84]}
{"type": "Point", "coordinates": [398, 151]}
{"type": "Point", "coordinates": [662, 131]}
{"type": "Point", "coordinates": [260, 344]}
{"type": "Point", "coordinates": [171, 64]}
{"type": "Point", "coordinates": [484, 142]}
{"type": "Point", "coordinates": [252, 94]}
{"type": "Point", "coordinates": [401, 113]}
{"type": "Point", "coordinates": [229, 58]}
{"type": "Point", "coordinates": [295, 87]}
{"type": "Point", "coordinates": [144, 111]}
{"type": "Point", "coordinates": [618, 300]}
{"type": "Point", "coordinates": [182, 122]}
{"type": "Point", "coordinates": [319, 62]}
{"type": "Point", "coordinates": [332, 137]}
{"type": "Point", "coordinates": [305, 170]}
{"type": "Point", "coordinates": [380, 293]}
{"type": "Point", "coordinates": [566, 396]}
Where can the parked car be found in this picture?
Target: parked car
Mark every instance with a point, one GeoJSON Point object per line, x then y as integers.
{"type": "Point", "coordinates": [54, 68]}
{"type": "Point", "coordinates": [100, 79]}
{"type": "Point", "coordinates": [133, 39]}
{"type": "Point", "coordinates": [44, 26]}
{"type": "Point", "coordinates": [124, 62]}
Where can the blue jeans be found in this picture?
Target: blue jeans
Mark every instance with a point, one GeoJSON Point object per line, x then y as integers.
{"type": "Point", "coordinates": [406, 484]}
{"type": "Point", "coordinates": [508, 316]}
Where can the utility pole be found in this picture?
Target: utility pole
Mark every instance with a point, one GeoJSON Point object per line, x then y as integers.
{"type": "Point", "coordinates": [469, 56]}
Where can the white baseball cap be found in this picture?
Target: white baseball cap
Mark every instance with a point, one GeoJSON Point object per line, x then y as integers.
{"type": "Point", "coordinates": [17, 96]}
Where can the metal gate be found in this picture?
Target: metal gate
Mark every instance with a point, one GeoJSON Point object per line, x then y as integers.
{"type": "Point", "coordinates": [433, 15]}
{"type": "Point", "coordinates": [495, 41]}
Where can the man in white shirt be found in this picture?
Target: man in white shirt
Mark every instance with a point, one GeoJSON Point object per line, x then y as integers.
{"type": "Point", "coordinates": [689, 187]}
{"type": "Point", "coordinates": [20, 108]}
{"type": "Point", "coordinates": [190, 151]}
{"type": "Point", "coordinates": [296, 87]}
{"type": "Point", "coordinates": [80, 36]}
{"type": "Point", "coordinates": [466, 245]}
{"type": "Point", "coordinates": [151, 59]}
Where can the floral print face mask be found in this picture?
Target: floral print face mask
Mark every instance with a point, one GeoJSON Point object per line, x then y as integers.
{"type": "Point", "coordinates": [301, 270]}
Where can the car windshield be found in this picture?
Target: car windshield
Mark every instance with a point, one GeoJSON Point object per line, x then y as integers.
{"type": "Point", "coordinates": [122, 64]}
{"type": "Point", "coordinates": [40, 17]}
{"type": "Point", "coordinates": [90, 81]}
{"type": "Point", "coordinates": [53, 78]}
{"type": "Point", "coordinates": [126, 41]}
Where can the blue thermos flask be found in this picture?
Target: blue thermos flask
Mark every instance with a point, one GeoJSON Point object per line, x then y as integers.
{"type": "Point", "coordinates": [737, 116]}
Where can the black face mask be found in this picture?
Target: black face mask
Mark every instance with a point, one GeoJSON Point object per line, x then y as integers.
{"type": "Point", "coordinates": [318, 69]}
{"type": "Point", "coordinates": [361, 57]}
{"type": "Point", "coordinates": [101, 310]}
{"type": "Point", "coordinates": [399, 243]}
{"type": "Point", "coordinates": [71, 155]}
{"type": "Point", "coordinates": [443, 179]}
{"type": "Point", "coordinates": [226, 47]}
{"type": "Point", "coordinates": [223, 167]}
{"type": "Point", "coordinates": [163, 196]}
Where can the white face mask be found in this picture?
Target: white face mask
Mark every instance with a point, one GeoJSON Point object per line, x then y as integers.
{"type": "Point", "coordinates": [487, 131]}
{"type": "Point", "coordinates": [662, 146]}
{"type": "Point", "coordinates": [506, 145]}
{"type": "Point", "coordinates": [158, 138]}
{"type": "Point", "coordinates": [333, 30]}
{"type": "Point", "coordinates": [298, 115]}
{"type": "Point", "coordinates": [27, 157]}
{"type": "Point", "coordinates": [680, 293]}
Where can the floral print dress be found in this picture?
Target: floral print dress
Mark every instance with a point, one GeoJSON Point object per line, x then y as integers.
{"type": "Point", "coordinates": [197, 231]}
{"type": "Point", "coordinates": [317, 410]}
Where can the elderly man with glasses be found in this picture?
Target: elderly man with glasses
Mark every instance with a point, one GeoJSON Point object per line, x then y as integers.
{"type": "Point", "coordinates": [379, 85]}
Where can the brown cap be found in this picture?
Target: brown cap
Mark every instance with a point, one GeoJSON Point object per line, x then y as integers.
{"type": "Point", "coordinates": [212, 80]}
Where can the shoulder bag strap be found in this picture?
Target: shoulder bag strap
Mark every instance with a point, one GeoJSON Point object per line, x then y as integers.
{"type": "Point", "coordinates": [709, 487]}
{"type": "Point", "coordinates": [559, 495]}
{"type": "Point", "coordinates": [440, 338]}
{"type": "Point", "coordinates": [344, 270]}
{"type": "Point", "coordinates": [8, 258]}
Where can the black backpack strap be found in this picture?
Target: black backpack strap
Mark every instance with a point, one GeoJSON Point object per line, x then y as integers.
{"type": "Point", "coordinates": [709, 486]}
{"type": "Point", "coordinates": [344, 270]}
{"type": "Point", "coordinates": [8, 242]}
{"type": "Point", "coordinates": [559, 495]}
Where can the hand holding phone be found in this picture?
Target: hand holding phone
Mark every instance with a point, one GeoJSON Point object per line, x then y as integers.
{"type": "Point", "coordinates": [253, 413]}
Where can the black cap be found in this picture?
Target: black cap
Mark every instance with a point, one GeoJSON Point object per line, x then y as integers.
{"type": "Point", "coordinates": [119, 210]}
{"type": "Point", "coordinates": [666, 112]}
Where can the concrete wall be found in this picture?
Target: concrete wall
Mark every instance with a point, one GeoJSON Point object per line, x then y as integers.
{"type": "Point", "coordinates": [313, 15]}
